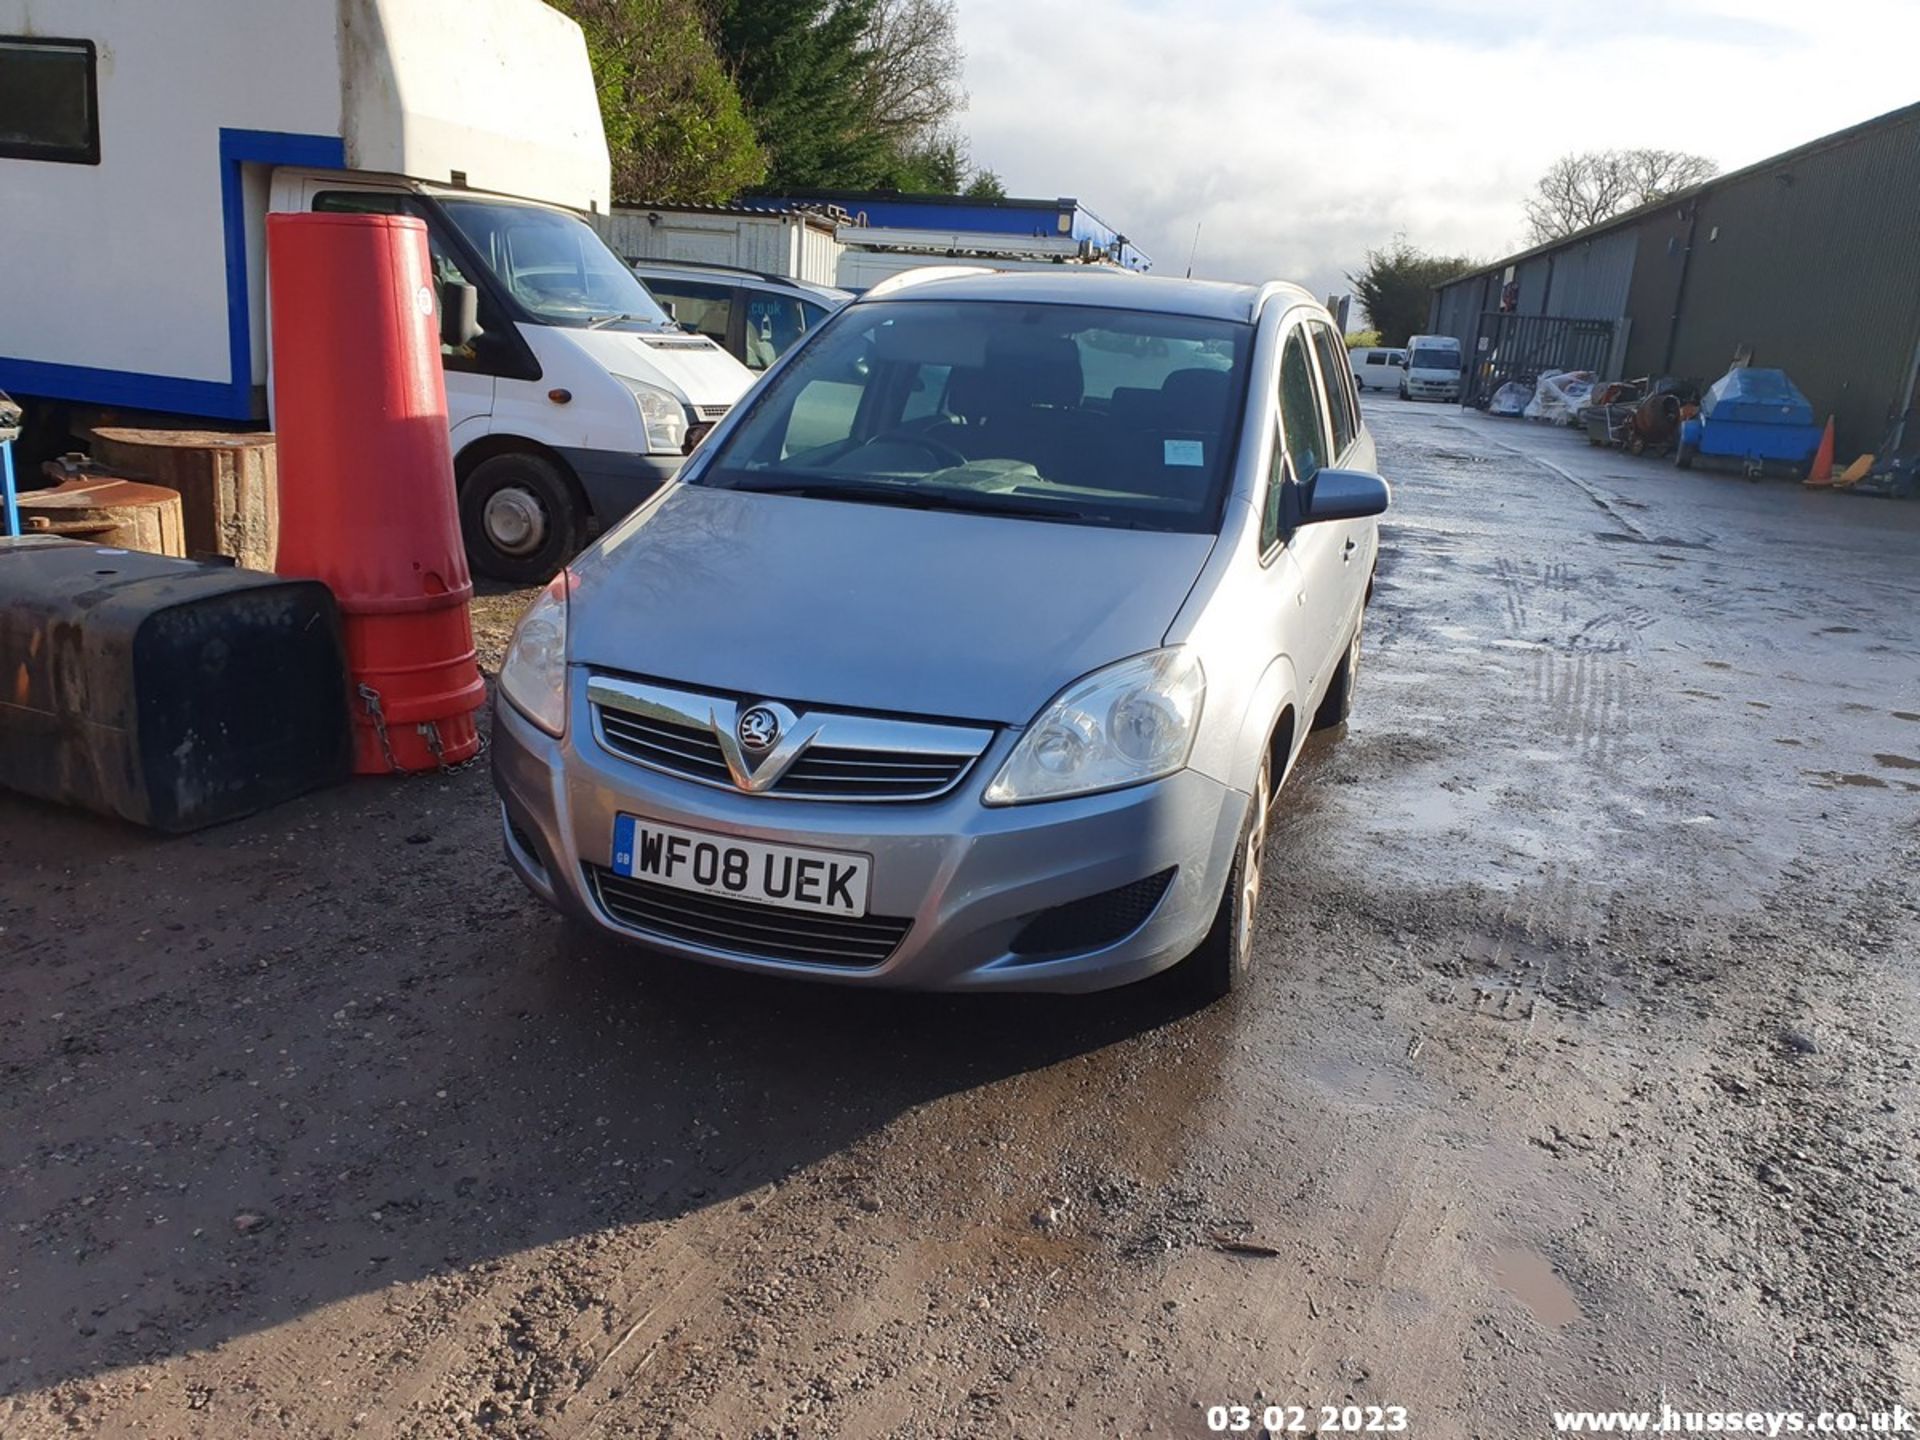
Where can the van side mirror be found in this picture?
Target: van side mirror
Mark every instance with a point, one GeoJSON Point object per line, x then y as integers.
{"type": "Point", "coordinates": [459, 314]}
{"type": "Point", "coordinates": [1343, 495]}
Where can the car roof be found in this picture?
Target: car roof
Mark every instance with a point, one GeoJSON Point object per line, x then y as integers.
{"type": "Point", "coordinates": [694, 270]}
{"type": "Point", "coordinates": [1104, 286]}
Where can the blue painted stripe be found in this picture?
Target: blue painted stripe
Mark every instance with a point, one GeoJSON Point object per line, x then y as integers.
{"type": "Point", "coordinates": [126, 388]}
{"type": "Point", "coordinates": [233, 398]}
{"type": "Point", "coordinates": [266, 147]}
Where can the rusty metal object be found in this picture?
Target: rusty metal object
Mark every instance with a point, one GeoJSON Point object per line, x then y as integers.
{"type": "Point", "coordinates": [228, 482]}
{"type": "Point", "coordinates": [170, 693]}
{"type": "Point", "coordinates": [1656, 423]}
{"type": "Point", "coordinates": [108, 510]}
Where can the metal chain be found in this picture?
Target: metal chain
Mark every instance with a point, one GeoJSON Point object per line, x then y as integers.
{"type": "Point", "coordinates": [428, 730]}
{"type": "Point", "coordinates": [370, 697]}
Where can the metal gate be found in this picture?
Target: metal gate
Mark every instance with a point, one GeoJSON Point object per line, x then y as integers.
{"type": "Point", "coordinates": [1512, 347]}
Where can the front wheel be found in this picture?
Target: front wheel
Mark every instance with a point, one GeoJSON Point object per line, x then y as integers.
{"type": "Point", "coordinates": [519, 518]}
{"type": "Point", "coordinates": [1224, 961]}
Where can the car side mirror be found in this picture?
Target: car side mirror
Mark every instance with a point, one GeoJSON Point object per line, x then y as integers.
{"type": "Point", "coordinates": [1343, 495]}
{"type": "Point", "coordinates": [459, 314]}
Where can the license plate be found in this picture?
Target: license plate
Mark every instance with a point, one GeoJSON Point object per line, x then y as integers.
{"type": "Point", "coordinates": [787, 876]}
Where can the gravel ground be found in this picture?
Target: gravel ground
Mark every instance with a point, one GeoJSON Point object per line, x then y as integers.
{"type": "Point", "coordinates": [1578, 1071]}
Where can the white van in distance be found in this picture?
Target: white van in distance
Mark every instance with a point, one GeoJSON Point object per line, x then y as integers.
{"type": "Point", "coordinates": [1377, 367]}
{"type": "Point", "coordinates": [1433, 369]}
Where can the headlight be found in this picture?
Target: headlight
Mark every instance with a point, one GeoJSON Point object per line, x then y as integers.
{"type": "Point", "coordinates": [662, 416]}
{"type": "Point", "coordinates": [1130, 722]}
{"type": "Point", "coordinates": [534, 675]}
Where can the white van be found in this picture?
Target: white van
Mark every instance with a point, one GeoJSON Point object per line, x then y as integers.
{"type": "Point", "coordinates": [158, 137]}
{"type": "Point", "coordinates": [1377, 367]}
{"type": "Point", "coordinates": [1433, 368]}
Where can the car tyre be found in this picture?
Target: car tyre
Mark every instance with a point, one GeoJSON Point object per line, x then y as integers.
{"type": "Point", "coordinates": [519, 517]}
{"type": "Point", "coordinates": [1338, 702]}
{"type": "Point", "coordinates": [1224, 961]}
{"type": "Point", "coordinates": [1685, 454]}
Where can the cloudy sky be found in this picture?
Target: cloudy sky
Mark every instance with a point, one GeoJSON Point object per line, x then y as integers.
{"type": "Point", "coordinates": [1301, 132]}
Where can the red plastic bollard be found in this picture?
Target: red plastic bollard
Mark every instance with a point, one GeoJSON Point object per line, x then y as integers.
{"type": "Point", "coordinates": [366, 478]}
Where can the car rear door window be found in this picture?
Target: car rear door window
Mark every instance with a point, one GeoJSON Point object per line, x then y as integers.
{"type": "Point", "coordinates": [1342, 408]}
{"type": "Point", "coordinates": [774, 323]}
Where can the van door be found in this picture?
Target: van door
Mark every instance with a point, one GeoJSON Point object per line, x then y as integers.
{"type": "Point", "coordinates": [470, 378]}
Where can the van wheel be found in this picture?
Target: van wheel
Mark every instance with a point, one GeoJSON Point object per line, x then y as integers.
{"type": "Point", "coordinates": [519, 517]}
{"type": "Point", "coordinates": [1224, 961]}
{"type": "Point", "coordinates": [1338, 704]}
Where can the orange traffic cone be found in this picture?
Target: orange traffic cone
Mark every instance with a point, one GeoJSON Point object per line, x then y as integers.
{"type": "Point", "coordinates": [1821, 471]}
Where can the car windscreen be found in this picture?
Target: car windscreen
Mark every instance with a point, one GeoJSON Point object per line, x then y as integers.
{"type": "Point", "coordinates": [555, 265]}
{"type": "Point", "coordinates": [1434, 358]}
{"type": "Point", "coordinates": [1072, 413]}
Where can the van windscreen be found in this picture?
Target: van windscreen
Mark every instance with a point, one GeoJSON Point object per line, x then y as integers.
{"type": "Point", "coordinates": [1432, 357]}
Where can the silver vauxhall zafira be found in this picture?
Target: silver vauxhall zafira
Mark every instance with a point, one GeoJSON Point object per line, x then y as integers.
{"type": "Point", "coordinates": [969, 651]}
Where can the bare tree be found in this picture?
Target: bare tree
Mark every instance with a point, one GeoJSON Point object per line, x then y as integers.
{"type": "Point", "coordinates": [912, 83]}
{"type": "Point", "coordinates": [1582, 190]}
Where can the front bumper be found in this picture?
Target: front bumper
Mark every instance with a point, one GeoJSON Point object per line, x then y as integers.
{"type": "Point", "coordinates": [1433, 389]}
{"type": "Point", "coordinates": [615, 481]}
{"type": "Point", "coordinates": [970, 876]}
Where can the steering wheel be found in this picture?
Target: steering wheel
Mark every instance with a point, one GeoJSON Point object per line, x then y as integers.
{"type": "Point", "coordinates": [907, 435]}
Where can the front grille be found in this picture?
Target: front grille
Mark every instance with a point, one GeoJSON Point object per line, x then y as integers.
{"type": "Point", "coordinates": [851, 757]}
{"type": "Point", "coordinates": [740, 927]}
{"type": "Point", "coordinates": [827, 771]}
{"type": "Point", "coordinates": [664, 745]}
{"type": "Point", "coordinates": [1093, 923]}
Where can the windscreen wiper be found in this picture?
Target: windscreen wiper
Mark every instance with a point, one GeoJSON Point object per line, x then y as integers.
{"type": "Point", "coordinates": [906, 497]}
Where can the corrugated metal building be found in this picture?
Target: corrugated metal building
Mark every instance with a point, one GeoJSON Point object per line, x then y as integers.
{"type": "Point", "coordinates": [772, 239]}
{"type": "Point", "coordinates": [1808, 262]}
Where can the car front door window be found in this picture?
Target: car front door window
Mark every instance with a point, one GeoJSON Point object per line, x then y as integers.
{"type": "Point", "coordinates": [707, 309]}
{"type": "Point", "coordinates": [1300, 414]}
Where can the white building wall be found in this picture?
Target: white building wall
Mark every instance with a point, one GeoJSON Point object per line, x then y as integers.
{"type": "Point", "coordinates": [122, 265]}
{"type": "Point", "coordinates": [770, 244]}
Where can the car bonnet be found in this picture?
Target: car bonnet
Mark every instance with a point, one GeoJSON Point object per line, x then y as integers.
{"type": "Point", "coordinates": [870, 607]}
